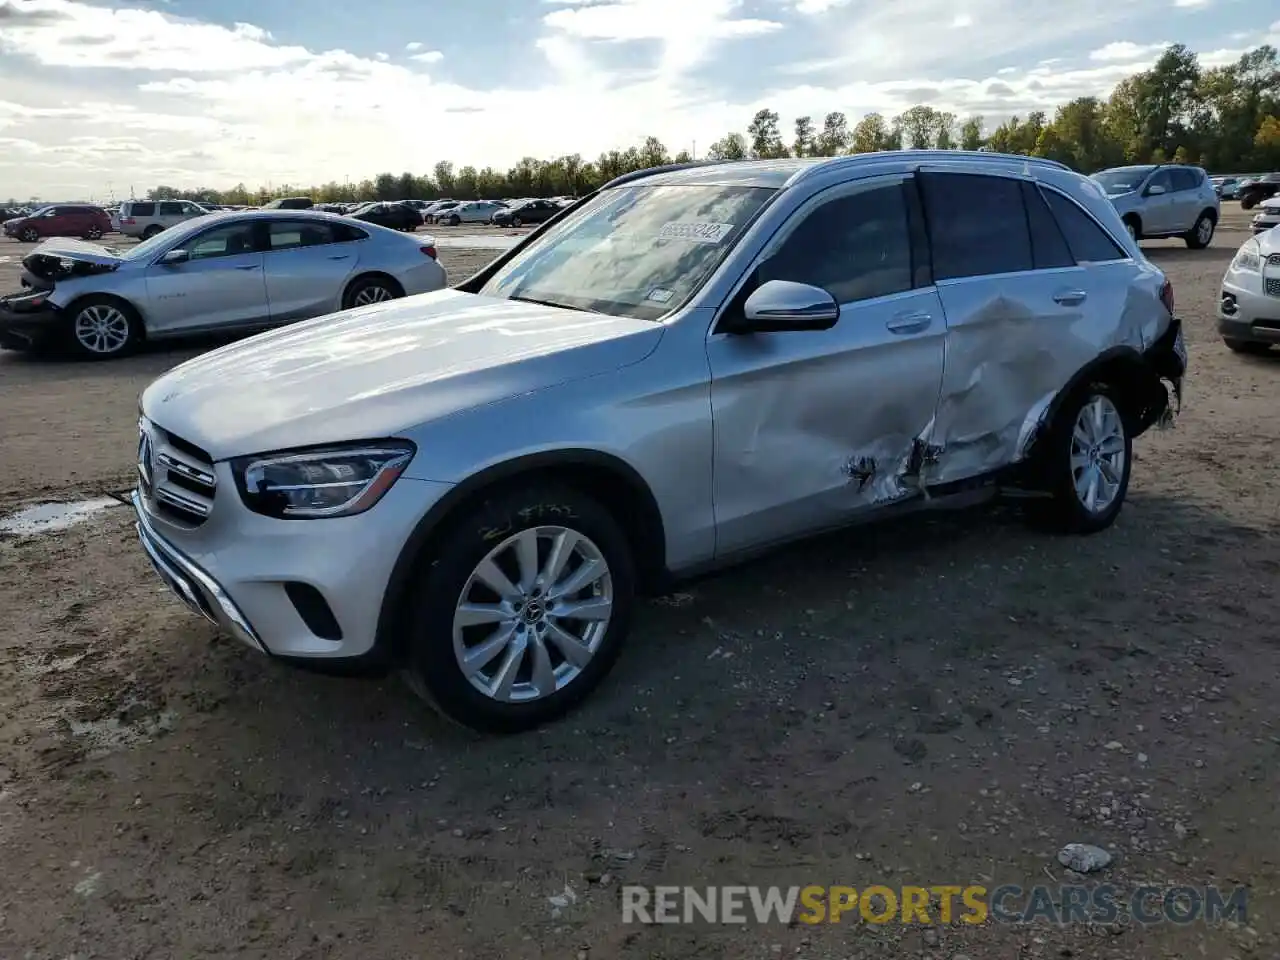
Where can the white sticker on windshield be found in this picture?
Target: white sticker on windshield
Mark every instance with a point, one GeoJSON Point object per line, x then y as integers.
{"type": "Point", "coordinates": [660, 295]}
{"type": "Point", "coordinates": [695, 231]}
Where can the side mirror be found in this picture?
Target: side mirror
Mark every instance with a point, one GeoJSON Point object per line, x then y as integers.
{"type": "Point", "coordinates": [1155, 190]}
{"type": "Point", "coordinates": [174, 257]}
{"type": "Point", "coordinates": [781, 306]}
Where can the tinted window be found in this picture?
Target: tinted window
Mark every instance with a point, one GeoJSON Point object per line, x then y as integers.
{"type": "Point", "coordinates": [855, 248]}
{"type": "Point", "coordinates": [1048, 247]}
{"type": "Point", "coordinates": [288, 236]}
{"type": "Point", "coordinates": [1089, 242]}
{"type": "Point", "coordinates": [142, 210]}
{"type": "Point", "coordinates": [225, 241]}
{"type": "Point", "coordinates": [977, 224]}
{"type": "Point", "coordinates": [170, 208]}
{"type": "Point", "coordinates": [1161, 178]}
{"type": "Point", "coordinates": [344, 233]}
{"type": "Point", "coordinates": [1185, 179]}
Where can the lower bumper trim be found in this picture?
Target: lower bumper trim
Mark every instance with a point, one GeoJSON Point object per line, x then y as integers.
{"type": "Point", "coordinates": [195, 588]}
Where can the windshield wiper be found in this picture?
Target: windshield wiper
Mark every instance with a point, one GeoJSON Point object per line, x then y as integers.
{"type": "Point", "coordinates": [552, 303]}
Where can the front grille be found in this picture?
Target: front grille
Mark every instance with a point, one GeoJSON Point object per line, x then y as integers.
{"type": "Point", "coordinates": [1272, 286]}
{"type": "Point", "coordinates": [176, 477]}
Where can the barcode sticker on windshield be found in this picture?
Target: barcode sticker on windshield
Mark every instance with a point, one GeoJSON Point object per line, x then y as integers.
{"type": "Point", "coordinates": [695, 231]}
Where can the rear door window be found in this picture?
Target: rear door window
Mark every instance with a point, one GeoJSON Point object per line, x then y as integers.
{"type": "Point", "coordinates": [226, 241]}
{"type": "Point", "coordinates": [977, 225]}
{"type": "Point", "coordinates": [1185, 179]}
{"type": "Point", "coordinates": [1049, 248]}
{"type": "Point", "coordinates": [141, 210]}
{"type": "Point", "coordinates": [291, 235]}
{"type": "Point", "coordinates": [170, 208]}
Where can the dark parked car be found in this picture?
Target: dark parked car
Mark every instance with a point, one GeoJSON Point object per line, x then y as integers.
{"type": "Point", "coordinates": [60, 220]}
{"type": "Point", "coordinates": [290, 203]}
{"type": "Point", "coordinates": [531, 211]}
{"type": "Point", "coordinates": [435, 212]}
{"type": "Point", "coordinates": [1253, 192]}
{"type": "Point", "coordinates": [397, 216]}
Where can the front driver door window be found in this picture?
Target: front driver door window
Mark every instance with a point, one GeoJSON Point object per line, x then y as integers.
{"type": "Point", "coordinates": [811, 427]}
{"type": "Point", "coordinates": [221, 283]}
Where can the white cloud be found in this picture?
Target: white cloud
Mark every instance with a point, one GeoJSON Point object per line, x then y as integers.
{"type": "Point", "coordinates": [1124, 51]}
{"type": "Point", "coordinates": [134, 96]}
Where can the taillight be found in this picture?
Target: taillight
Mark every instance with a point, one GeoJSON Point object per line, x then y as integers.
{"type": "Point", "coordinates": [124, 220]}
{"type": "Point", "coordinates": [429, 251]}
{"type": "Point", "coordinates": [1166, 296]}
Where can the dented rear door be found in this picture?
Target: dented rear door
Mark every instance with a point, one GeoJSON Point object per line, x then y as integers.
{"type": "Point", "coordinates": [813, 427]}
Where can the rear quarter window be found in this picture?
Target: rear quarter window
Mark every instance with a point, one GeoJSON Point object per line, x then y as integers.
{"type": "Point", "coordinates": [1089, 243]}
{"type": "Point", "coordinates": [139, 210]}
{"type": "Point", "coordinates": [977, 225]}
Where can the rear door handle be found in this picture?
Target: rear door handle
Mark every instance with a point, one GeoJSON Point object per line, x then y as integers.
{"type": "Point", "coordinates": [340, 256]}
{"type": "Point", "coordinates": [251, 266]}
{"type": "Point", "coordinates": [1070, 298]}
{"type": "Point", "coordinates": [909, 322]}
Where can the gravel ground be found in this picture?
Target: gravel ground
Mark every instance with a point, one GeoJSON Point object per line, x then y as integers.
{"type": "Point", "coordinates": [943, 701]}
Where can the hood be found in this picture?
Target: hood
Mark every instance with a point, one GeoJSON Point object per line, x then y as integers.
{"type": "Point", "coordinates": [67, 248]}
{"type": "Point", "coordinates": [379, 371]}
{"type": "Point", "coordinates": [1271, 204]}
{"type": "Point", "coordinates": [1268, 242]}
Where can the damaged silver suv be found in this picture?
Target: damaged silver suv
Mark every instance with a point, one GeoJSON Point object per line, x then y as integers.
{"type": "Point", "coordinates": [688, 366]}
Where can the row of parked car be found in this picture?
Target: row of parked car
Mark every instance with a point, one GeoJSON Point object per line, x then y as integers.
{"type": "Point", "coordinates": [144, 219]}
{"type": "Point", "coordinates": [1249, 189]}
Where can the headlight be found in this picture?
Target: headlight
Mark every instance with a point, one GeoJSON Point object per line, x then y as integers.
{"type": "Point", "coordinates": [330, 482]}
{"type": "Point", "coordinates": [1249, 258]}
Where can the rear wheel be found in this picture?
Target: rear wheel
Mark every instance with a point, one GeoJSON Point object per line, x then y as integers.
{"type": "Point", "coordinates": [521, 611]}
{"type": "Point", "coordinates": [1134, 226]}
{"type": "Point", "coordinates": [151, 231]}
{"type": "Point", "coordinates": [94, 233]}
{"type": "Point", "coordinates": [517, 222]}
{"type": "Point", "coordinates": [454, 220]}
{"type": "Point", "coordinates": [1089, 456]}
{"type": "Point", "coordinates": [101, 328]}
{"type": "Point", "coordinates": [1201, 235]}
{"type": "Point", "coordinates": [369, 290]}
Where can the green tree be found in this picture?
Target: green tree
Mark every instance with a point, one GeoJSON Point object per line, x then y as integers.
{"type": "Point", "coordinates": [834, 138]}
{"type": "Point", "coordinates": [805, 139]}
{"type": "Point", "coordinates": [732, 146]}
{"type": "Point", "coordinates": [971, 134]}
{"type": "Point", "coordinates": [765, 136]}
{"type": "Point", "coordinates": [871, 134]}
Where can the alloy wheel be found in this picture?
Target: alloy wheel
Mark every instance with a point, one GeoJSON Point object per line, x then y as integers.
{"type": "Point", "coordinates": [1204, 231]}
{"type": "Point", "coordinates": [102, 329]}
{"type": "Point", "coordinates": [374, 293]}
{"type": "Point", "coordinates": [1098, 454]}
{"type": "Point", "coordinates": [533, 614]}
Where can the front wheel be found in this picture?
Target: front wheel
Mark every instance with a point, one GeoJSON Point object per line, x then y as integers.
{"type": "Point", "coordinates": [1089, 456]}
{"type": "Point", "coordinates": [94, 233]}
{"type": "Point", "coordinates": [29, 235]}
{"type": "Point", "coordinates": [522, 610]}
{"type": "Point", "coordinates": [101, 328]}
{"type": "Point", "coordinates": [454, 221]}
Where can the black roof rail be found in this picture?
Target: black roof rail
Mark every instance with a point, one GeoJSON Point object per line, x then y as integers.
{"type": "Point", "coordinates": [664, 168]}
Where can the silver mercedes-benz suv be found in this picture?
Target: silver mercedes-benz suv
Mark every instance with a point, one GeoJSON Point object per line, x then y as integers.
{"type": "Point", "coordinates": [688, 366]}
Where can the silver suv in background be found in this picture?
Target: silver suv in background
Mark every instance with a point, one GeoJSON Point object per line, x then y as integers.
{"type": "Point", "coordinates": [691, 365]}
{"type": "Point", "coordinates": [146, 218]}
{"type": "Point", "coordinates": [1156, 201]}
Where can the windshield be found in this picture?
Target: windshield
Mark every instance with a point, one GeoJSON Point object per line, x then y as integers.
{"type": "Point", "coordinates": [634, 251]}
{"type": "Point", "coordinates": [148, 247]}
{"type": "Point", "coordinates": [1123, 180]}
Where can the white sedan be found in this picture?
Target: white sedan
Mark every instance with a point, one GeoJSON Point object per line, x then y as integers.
{"type": "Point", "coordinates": [477, 211]}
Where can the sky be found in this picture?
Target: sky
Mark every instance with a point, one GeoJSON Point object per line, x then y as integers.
{"type": "Point", "coordinates": [100, 98]}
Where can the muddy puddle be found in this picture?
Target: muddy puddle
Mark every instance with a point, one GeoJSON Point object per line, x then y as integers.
{"type": "Point", "coordinates": [52, 517]}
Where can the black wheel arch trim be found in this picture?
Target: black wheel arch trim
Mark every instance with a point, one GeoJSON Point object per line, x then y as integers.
{"type": "Point", "coordinates": [651, 564]}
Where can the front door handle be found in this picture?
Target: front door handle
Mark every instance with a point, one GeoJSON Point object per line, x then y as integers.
{"type": "Point", "coordinates": [249, 266]}
{"type": "Point", "coordinates": [909, 322]}
{"type": "Point", "coordinates": [1070, 298]}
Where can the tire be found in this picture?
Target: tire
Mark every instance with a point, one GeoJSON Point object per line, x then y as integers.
{"type": "Point", "coordinates": [369, 290]}
{"type": "Point", "coordinates": [151, 231]}
{"type": "Point", "coordinates": [1248, 201]}
{"type": "Point", "coordinates": [454, 221]}
{"type": "Point", "coordinates": [101, 328]}
{"type": "Point", "coordinates": [1201, 235]}
{"type": "Point", "coordinates": [488, 536]}
{"type": "Point", "coordinates": [517, 222]}
{"type": "Point", "coordinates": [1135, 227]}
{"type": "Point", "coordinates": [95, 233]}
{"type": "Point", "coordinates": [1066, 511]}
{"type": "Point", "coordinates": [1246, 346]}
{"type": "Point", "coordinates": [29, 235]}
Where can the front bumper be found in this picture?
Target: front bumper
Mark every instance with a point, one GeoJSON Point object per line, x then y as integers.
{"type": "Point", "coordinates": [198, 590]}
{"type": "Point", "coordinates": [301, 590]}
{"type": "Point", "coordinates": [27, 320]}
{"type": "Point", "coordinates": [1264, 222]}
{"type": "Point", "coordinates": [1249, 316]}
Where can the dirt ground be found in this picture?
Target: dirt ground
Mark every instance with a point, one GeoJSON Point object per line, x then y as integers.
{"type": "Point", "coordinates": [945, 701]}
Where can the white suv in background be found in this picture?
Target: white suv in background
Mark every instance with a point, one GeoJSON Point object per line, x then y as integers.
{"type": "Point", "coordinates": [146, 218]}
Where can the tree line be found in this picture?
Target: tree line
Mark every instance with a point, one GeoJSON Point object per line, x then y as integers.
{"type": "Point", "coordinates": [1226, 119]}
